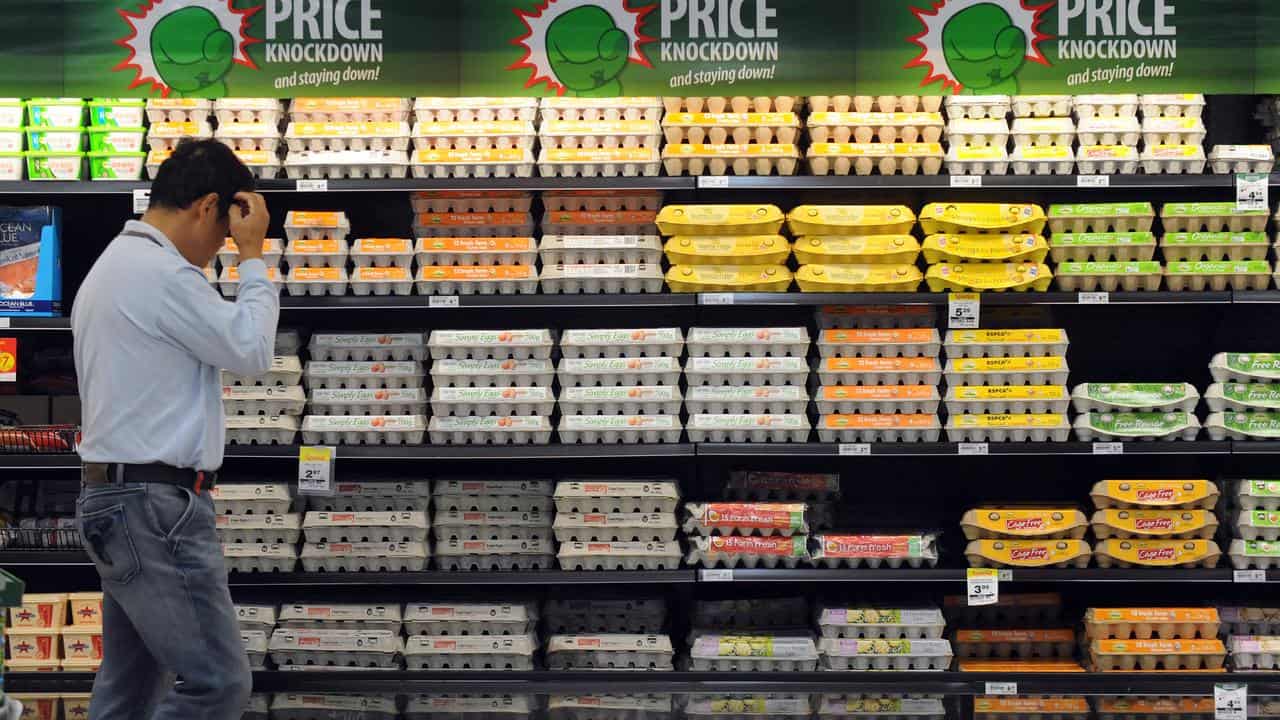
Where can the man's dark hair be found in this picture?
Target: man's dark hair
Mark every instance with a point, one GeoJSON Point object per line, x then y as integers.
{"type": "Point", "coordinates": [197, 168]}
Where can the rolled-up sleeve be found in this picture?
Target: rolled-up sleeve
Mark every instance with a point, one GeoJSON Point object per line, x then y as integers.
{"type": "Point", "coordinates": [237, 336]}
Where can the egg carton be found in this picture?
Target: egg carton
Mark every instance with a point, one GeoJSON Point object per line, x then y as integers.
{"type": "Point", "coordinates": [256, 617]}
{"type": "Point", "coordinates": [600, 249]}
{"type": "Point", "coordinates": [1106, 105]}
{"type": "Point", "coordinates": [728, 278]}
{"type": "Point", "coordinates": [1131, 524]}
{"type": "Point", "coordinates": [395, 402]}
{"type": "Point", "coordinates": [753, 653]}
{"type": "Point", "coordinates": [615, 527]}
{"type": "Point", "coordinates": [1043, 132]}
{"type": "Point", "coordinates": [272, 250]}
{"type": "Point", "coordinates": [1022, 644]}
{"type": "Point", "coordinates": [491, 525]}
{"type": "Point", "coordinates": [1172, 130]}
{"type": "Point", "coordinates": [748, 428]}
{"type": "Point", "coordinates": [746, 370]}
{"type": "Point", "coordinates": [366, 347]}
{"type": "Point", "coordinates": [178, 110]}
{"type": "Point", "coordinates": [1107, 160]}
{"type": "Point", "coordinates": [1007, 371]}
{"type": "Point", "coordinates": [318, 253]}
{"type": "Point", "coordinates": [1172, 159]}
{"type": "Point", "coordinates": [1004, 248]}
{"type": "Point", "coordinates": [492, 401]}
{"type": "Point", "coordinates": [1071, 707]}
{"type": "Point", "coordinates": [863, 655]}
{"type": "Point", "coordinates": [492, 373]}
{"type": "Point", "coordinates": [477, 280]}
{"type": "Point", "coordinates": [757, 400]}
{"type": "Point", "coordinates": [609, 651]}
{"type": "Point", "coordinates": [1148, 655]}
{"type": "Point", "coordinates": [317, 281]}
{"type": "Point", "coordinates": [1188, 105]}
{"type": "Point", "coordinates": [624, 555]}
{"type": "Point", "coordinates": [1255, 652]}
{"type": "Point", "coordinates": [1109, 276]}
{"type": "Point", "coordinates": [249, 136]}
{"type": "Point", "coordinates": [734, 104]}
{"type": "Point", "coordinates": [1215, 246]}
{"type": "Point", "coordinates": [473, 135]}
{"type": "Point", "coordinates": [470, 652]}
{"type": "Point", "coordinates": [165, 136]}
{"type": "Point", "coordinates": [470, 618]}
{"type": "Point", "coordinates": [596, 279]}
{"type": "Point", "coordinates": [371, 254]}
{"type": "Point", "coordinates": [640, 400]}
{"type": "Point", "coordinates": [1101, 218]}
{"type": "Point", "coordinates": [1145, 623]}
{"type": "Point", "coordinates": [625, 372]}
{"type": "Point", "coordinates": [1124, 131]}
{"type": "Point", "coordinates": [978, 132]}
{"type": "Point", "coordinates": [373, 496]}
{"type": "Point", "coordinates": [733, 127]}
{"type": "Point", "coordinates": [472, 430]}
{"type": "Point", "coordinates": [1254, 554]}
{"type": "Point", "coordinates": [1202, 494]}
{"type": "Point", "coordinates": [866, 127]}
{"type": "Point", "coordinates": [1156, 553]}
{"type": "Point", "coordinates": [367, 375]}
{"type": "Point", "coordinates": [869, 103]}
{"type": "Point", "coordinates": [475, 109]}
{"type": "Point", "coordinates": [599, 162]}
{"type": "Point", "coordinates": [559, 109]}
{"type": "Point", "coordinates": [485, 555]}
{"type": "Point", "coordinates": [313, 706]}
{"type": "Point", "coordinates": [970, 160]}
{"type": "Point", "coordinates": [914, 342]}
{"type": "Point", "coordinates": [592, 134]}
{"type": "Point", "coordinates": [312, 646]}
{"type": "Point", "coordinates": [1028, 553]}
{"type": "Point", "coordinates": [1008, 428]}
{"type": "Point", "coordinates": [263, 400]}
{"type": "Point", "coordinates": [1249, 620]}
{"type": "Point", "coordinates": [405, 526]}
{"type": "Point", "coordinates": [353, 164]}
{"type": "Point", "coordinates": [1218, 275]}
{"type": "Point", "coordinates": [874, 428]}
{"type": "Point", "coordinates": [840, 622]}
{"type": "Point", "coordinates": [610, 707]}
{"type": "Point", "coordinates": [349, 109]}
{"type": "Point", "coordinates": [885, 707]}
{"type": "Point", "coordinates": [991, 277]}
{"type": "Point", "coordinates": [491, 163]}
{"type": "Point", "coordinates": [1134, 397]}
{"type": "Point", "coordinates": [247, 110]}
{"type": "Point", "coordinates": [229, 280]}
{"type": "Point", "coordinates": [773, 486]}
{"type": "Point", "coordinates": [630, 342]}
{"type": "Point", "coordinates": [611, 429]}
{"type": "Point", "coordinates": [1211, 217]}
{"type": "Point", "coordinates": [347, 136]}
{"type": "Point", "coordinates": [1245, 367]}
{"type": "Point", "coordinates": [836, 550]}
{"type": "Point", "coordinates": [471, 201]}
{"type": "Point", "coordinates": [998, 400]}
{"type": "Point", "coordinates": [521, 344]}
{"type": "Point", "coordinates": [237, 498]}
{"type": "Point", "coordinates": [438, 251]}
{"type": "Point", "coordinates": [1009, 610]}
{"type": "Point", "coordinates": [890, 251]}
{"type": "Point", "coordinates": [879, 371]}
{"type": "Point", "coordinates": [365, 557]}
{"type": "Point", "coordinates": [260, 529]}
{"type": "Point", "coordinates": [322, 616]}
{"type": "Point", "coordinates": [481, 707]}
{"type": "Point", "coordinates": [241, 557]}
{"type": "Point", "coordinates": [1225, 159]}
{"type": "Point", "coordinates": [1256, 495]}
{"type": "Point", "coordinates": [747, 519]}
{"type": "Point", "coordinates": [868, 158]}
{"type": "Point", "coordinates": [472, 225]}
{"type": "Point", "coordinates": [1046, 160]}
{"type": "Point", "coordinates": [261, 430]}
{"type": "Point", "coordinates": [1256, 425]}
{"type": "Point", "coordinates": [608, 223]}
{"type": "Point", "coordinates": [493, 503]}
{"type": "Point", "coordinates": [730, 159]}
{"type": "Point", "coordinates": [1052, 522]}
{"type": "Point", "coordinates": [321, 225]}
{"type": "Point", "coordinates": [1005, 343]}
{"type": "Point", "coordinates": [1125, 426]}
{"type": "Point", "coordinates": [748, 341]}
{"type": "Point", "coordinates": [608, 614]}
{"type": "Point", "coordinates": [627, 496]}
{"type": "Point", "coordinates": [976, 106]}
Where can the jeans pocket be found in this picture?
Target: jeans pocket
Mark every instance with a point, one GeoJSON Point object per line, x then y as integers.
{"type": "Point", "coordinates": [107, 541]}
{"type": "Point", "coordinates": [171, 507]}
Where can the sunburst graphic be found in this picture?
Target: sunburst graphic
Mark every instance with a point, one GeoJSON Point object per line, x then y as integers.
{"type": "Point", "coordinates": [538, 21]}
{"type": "Point", "coordinates": [144, 20]}
{"type": "Point", "coordinates": [1023, 15]}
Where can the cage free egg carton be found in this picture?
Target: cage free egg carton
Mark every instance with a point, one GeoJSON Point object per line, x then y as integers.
{"type": "Point", "coordinates": [470, 652]}
{"type": "Point", "coordinates": [1168, 494]}
{"type": "Point", "coordinates": [1028, 553]}
{"type": "Point", "coordinates": [492, 373]}
{"type": "Point", "coordinates": [259, 529]}
{"type": "Point", "coordinates": [736, 653]}
{"type": "Point", "coordinates": [1156, 553]}
{"type": "Point", "coordinates": [379, 136]}
{"type": "Point", "coordinates": [1184, 105]}
{"type": "Point", "coordinates": [1172, 159]}
{"type": "Point", "coordinates": [1211, 217]}
{"type": "Point", "coordinates": [1130, 524]}
{"type": "Point", "coordinates": [879, 371]}
{"type": "Point", "coordinates": [453, 618]}
{"type": "Point", "coordinates": [732, 551]}
{"type": "Point", "coordinates": [1006, 343]}
{"type": "Point", "coordinates": [356, 648]}
{"type": "Point", "coordinates": [600, 249]}
{"type": "Point", "coordinates": [1107, 160]}
{"type": "Point", "coordinates": [473, 135]}
{"type": "Point", "coordinates": [357, 495]}
{"type": "Point", "coordinates": [341, 617]}
{"type": "Point", "coordinates": [1124, 426]}
{"type": "Point", "coordinates": [885, 654]}
{"type": "Point", "coordinates": [1024, 522]}
{"type": "Point", "coordinates": [491, 525]}
{"type": "Point", "coordinates": [261, 429]}
{"type": "Point", "coordinates": [609, 651]}
{"type": "Point", "coordinates": [246, 557]}
{"type": "Point", "coordinates": [167, 135]}
{"type": "Point", "coordinates": [747, 399]}
{"type": "Point", "coordinates": [1145, 623]}
{"type": "Point", "coordinates": [730, 159]}
{"type": "Point", "coordinates": [1101, 217]}
{"type": "Point", "coordinates": [475, 163]}
{"type": "Point", "coordinates": [1134, 397]}
{"type": "Point", "coordinates": [237, 498]}
{"type": "Point", "coordinates": [615, 527]}
{"type": "Point", "coordinates": [256, 617]}
{"type": "Point", "coordinates": [727, 250]}
{"type": "Point", "coordinates": [1172, 130]}
{"type": "Point", "coordinates": [868, 158]}
{"type": "Point", "coordinates": [978, 132]}
{"type": "Point", "coordinates": [1071, 707]}
{"type": "Point", "coordinates": [1042, 160]}
{"type": "Point", "coordinates": [993, 277]}
{"type": "Point", "coordinates": [891, 250]}
{"type": "Point", "coordinates": [263, 400]}
{"type": "Point", "coordinates": [602, 222]}
{"type": "Point", "coordinates": [1043, 131]}
{"type": "Point", "coordinates": [881, 623]}
{"type": "Point", "coordinates": [495, 555]}
{"type": "Point", "coordinates": [1023, 644]}
{"type": "Point", "coordinates": [507, 430]}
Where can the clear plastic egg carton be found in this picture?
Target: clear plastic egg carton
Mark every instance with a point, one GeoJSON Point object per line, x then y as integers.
{"type": "Point", "coordinates": [1255, 495]}
{"type": "Point", "coordinates": [261, 430]}
{"type": "Point", "coordinates": [341, 616]}
{"type": "Point", "coordinates": [748, 428]}
{"type": "Point", "coordinates": [1211, 217]}
{"type": "Point", "coordinates": [619, 555]}
{"type": "Point", "coordinates": [470, 652]}
{"type": "Point", "coordinates": [1218, 275]}
{"type": "Point", "coordinates": [256, 498]}
{"type": "Point", "coordinates": [316, 281]}
{"type": "Point", "coordinates": [1225, 159]}
{"type": "Point", "coordinates": [340, 164]}
{"type": "Point", "coordinates": [622, 343]}
{"type": "Point", "coordinates": [1145, 623]}
{"type": "Point", "coordinates": [1172, 159]}
{"type": "Point", "coordinates": [629, 614]}
{"type": "Point", "coordinates": [260, 529]}
{"type": "Point", "coordinates": [1021, 427]}
{"type": "Point", "coordinates": [750, 399]}
{"type": "Point", "coordinates": [1215, 246]}
{"type": "Point", "coordinates": [753, 653]}
{"type": "Point", "coordinates": [982, 132]}
{"type": "Point", "coordinates": [249, 136]}
{"type": "Point", "coordinates": [470, 618]}
{"type": "Point", "coordinates": [491, 163]}
{"type": "Point", "coordinates": [492, 401]}
{"type": "Point", "coordinates": [178, 110]}
{"type": "Point", "coordinates": [473, 225]}
{"type": "Point", "coordinates": [489, 525]}
{"type": "Point", "coordinates": [363, 375]}
{"type": "Point", "coordinates": [492, 373]}
{"type": "Point", "coordinates": [1022, 644]}
{"type": "Point", "coordinates": [245, 558]}
{"type": "Point", "coordinates": [255, 646]}
{"type": "Point", "coordinates": [365, 557]}
{"type": "Point", "coordinates": [1250, 620]}
{"type": "Point", "coordinates": [618, 372]}
{"type": "Point", "coordinates": [869, 158]}
{"type": "Point", "coordinates": [610, 651]}
{"type": "Point", "coordinates": [999, 400]}
{"type": "Point", "coordinates": [746, 519]}
{"type": "Point", "coordinates": [969, 160]}
{"type": "Point", "coordinates": [1106, 106]}
{"type": "Point", "coordinates": [859, 127]}
{"type": "Point", "coordinates": [470, 201]}
{"type": "Point", "coordinates": [1149, 655]}
{"type": "Point", "coordinates": [615, 527]}
{"type": "Point", "coordinates": [263, 400]}
{"type": "Point", "coordinates": [881, 623]}
{"type": "Point", "coordinates": [1006, 371]}
{"type": "Point", "coordinates": [165, 136]}
{"type": "Point", "coordinates": [880, 371]}
{"type": "Point", "coordinates": [1254, 554]}
{"type": "Point", "coordinates": [746, 370]}
{"type": "Point", "coordinates": [373, 496]}
{"type": "Point", "coordinates": [327, 647]}
{"type": "Point", "coordinates": [876, 428]}
{"type": "Point", "coordinates": [515, 430]}
{"type": "Point", "coordinates": [876, 342]}
{"type": "Point", "coordinates": [773, 486]}
{"type": "Point", "coordinates": [599, 162]}
{"type": "Point", "coordinates": [466, 707]}
{"type": "Point", "coordinates": [883, 654]}
{"type": "Point", "coordinates": [402, 526]}
{"type": "Point", "coordinates": [592, 134]}
{"type": "Point", "coordinates": [1172, 131]}
{"type": "Point", "coordinates": [474, 135]}
{"type": "Point", "coordinates": [349, 109]}
{"type": "Point", "coordinates": [477, 280]}
{"type": "Point", "coordinates": [598, 279]}
{"type": "Point", "coordinates": [1185, 105]}
{"type": "Point", "coordinates": [475, 109]}
{"type": "Point", "coordinates": [322, 707]}
{"type": "Point", "coordinates": [731, 128]}
{"type": "Point", "coordinates": [495, 555]}
{"type": "Point", "coordinates": [835, 550]}
{"type": "Point", "coordinates": [1043, 160]}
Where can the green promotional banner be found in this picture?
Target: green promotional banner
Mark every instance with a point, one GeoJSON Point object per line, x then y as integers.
{"type": "Point", "coordinates": [286, 48]}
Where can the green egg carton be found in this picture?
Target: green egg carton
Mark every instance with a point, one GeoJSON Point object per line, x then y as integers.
{"type": "Point", "coordinates": [55, 165]}
{"type": "Point", "coordinates": [117, 112]}
{"type": "Point", "coordinates": [55, 139]}
{"type": "Point", "coordinates": [55, 112]}
{"type": "Point", "coordinates": [117, 166]}
{"type": "Point", "coordinates": [111, 139]}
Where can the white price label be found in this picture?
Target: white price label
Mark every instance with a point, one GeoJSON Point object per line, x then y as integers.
{"type": "Point", "coordinates": [1093, 181]}
{"type": "Point", "coordinates": [4, 323]}
{"type": "Point", "coordinates": [963, 311]}
{"type": "Point", "coordinates": [1251, 191]}
{"type": "Point", "coordinates": [966, 181]}
{"type": "Point", "coordinates": [1230, 701]}
{"type": "Point", "coordinates": [141, 200]}
{"type": "Point", "coordinates": [443, 301]}
{"type": "Point", "coordinates": [983, 586]}
{"type": "Point", "coordinates": [1249, 576]}
{"type": "Point", "coordinates": [715, 299]}
{"type": "Point", "coordinates": [1002, 688]}
{"type": "Point", "coordinates": [855, 449]}
{"type": "Point", "coordinates": [1093, 298]}
{"type": "Point", "coordinates": [313, 186]}
{"type": "Point", "coordinates": [1108, 448]}
{"type": "Point", "coordinates": [316, 470]}
{"type": "Point", "coordinates": [971, 448]}
{"type": "Point", "coordinates": [716, 576]}
{"type": "Point", "coordinates": [713, 182]}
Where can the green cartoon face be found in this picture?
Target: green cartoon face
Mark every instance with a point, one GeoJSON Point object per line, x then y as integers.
{"type": "Point", "coordinates": [984, 50]}
{"type": "Point", "coordinates": [191, 51]}
{"type": "Point", "coordinates": [587, 51]}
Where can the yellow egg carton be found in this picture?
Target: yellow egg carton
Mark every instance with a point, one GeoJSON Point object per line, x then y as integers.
{"type": "Point", "coordinates": [1012, 427]}
{"type": "Point", "coordinates": [865, 127]}
{"type": "Point", "coordinates": [901, 277]}
{"type": "Point", "coordinates": [1157, 553]}
{"type": "Point", "coordinates": [957, 218]}
{"type": "Point", "coordinates": [739, 128]}
{"type": "Point", "coordinates": [1130, 524]}
{"type": "Point", "coordinates": [727, 250]}
{"type": "Point", "coordinates": [988, 523]}
{"type": "Point", "coordinates": [728, 278]}
{"type": "Point", "coordinates": [591, 134]}
{"type": "Point", "coordinates": [1145, 623]}
{"type": "Point", "coordinates": [1149, 655]}
{"type": "Point", "coordinates": [735, 104]}
{"type": "Point", "coordinates": [599, 162]}
{"type": "Point", "coordinates": [736, 159]}
{"type": "Point", "coordinates": [1000, 371]}
{"type": "Point", "coordinates": [877, 103]}
{"type": "Point", "coordinates": [1004, 399]}
{"type": "Point", "coordinates": [867, 158]}
{"type": "Point", "coordinates": [1022, 247]}
{"type": "Point", "coordinates": [993, 277]}
{"type": "Point", "coordinates": [1167, 494]}
{"type": "Point", "coordinates": [1028, 553]}
{"type": "Point", "coordinates": [846, 220]}
{"type": "Point", "coordinates": [720, 220]}
{"type": "Point", "coordinates": [888, 250]}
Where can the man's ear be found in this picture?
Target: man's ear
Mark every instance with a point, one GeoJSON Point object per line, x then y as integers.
{"type": "Point", "coordinates": [207, 206]}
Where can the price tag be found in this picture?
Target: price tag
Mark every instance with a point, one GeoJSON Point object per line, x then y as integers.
{"type": "Point", "coordinates": [1230, 701]}
{"type": "Point", "coordinates": [1093, 181]}
{"type": "Point", "coordinates": [1108, 448]}
{"type": "Point", "coordinates": [1249, 576]}
{"type": "Point", "coordinates": [983, 586]}
{"type": "Point", "coordinates": [4, 323]}
{"type": "Point", "coordinates": [966, 181]}
{"type": "Point", "coordinates": [716, 576]}
{"type": "Point", "coordinates": [316, 470]}
{"type": "Point", "coordinates": [971, 448]}
{"type": "Point", "coordinates": [1251, 191]}
{"type": "Point", "coordinates": [715, 299]}
{"type": "Point", "coordinates": [443, 301]}
{"type": "Point", "coordinates": [1002, 688]}
{"type": "Point", "coordinates": [141, 200]}
{"type": "Point", "coordinates": [855, 449]}
{"type": "Point", "coordinates": [313, 186]}
{"type": "Point", "coordinates": [8, 360]}
{"type": "Point", "coordinates": [1093, 298]}
{"type": "Point", "coordinates": [963, 310]}
{"type": "Point", "coordinates": [713, 182]}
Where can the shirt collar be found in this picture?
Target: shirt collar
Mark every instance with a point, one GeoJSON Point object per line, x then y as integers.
{"type": "Point", "coordinates": [141, 228]}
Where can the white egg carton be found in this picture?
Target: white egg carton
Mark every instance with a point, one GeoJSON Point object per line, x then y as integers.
{"type": "Point", "coordinates": [875, 428]}
{"type": "Point", "coordinates": [650, 495]}
{"type": "Point", "coordinates": [272, 249]}
{"type": "Point", "coordinates": [161, 110]}
{"type": "Point", "coordinates": [609, 223]}
{"type": "Point", "coordinates": [625, 555]}
{"type": "Point", "coordinates": [881, 103]}
{"type": "Point", "coordinates": [626, 372]}
{"type": "Point", "coordinates": [1026, 399]}
{"type": "Point", "coordinates": [1245, 367]}
{"type": "Point", "coordinates": [558, 109]}
{"type": "Point", "coordinates": [600, 249]}
{"type": "Point", "coordinates": [609, 651]}
{"type": "Point", "coordinates": [470, 618]}
{"type": "Point", "coordinates": [748, 428]}
{"type": "Point", "coordinates": [342, 616]}
{"type": "Point", "coordinates": [592, 134]}
{"type": "Point", "coordinates": [365, 557]}
{"type": "Point", "coordinates": [1008, 428]}
{"type": "Point", "coordinates": [1218, 275]}
{"type": "Point", "coordinates": [317, 706]}
{"type": "Point", "coordinates": [746, 370]}
{"type": "Point", "coordinates": [470, 201]}
{"type": "Point", "coordinates": [627, 342]}
{"type": "Point", "coordinates": [880, 371]}
{"type": "Point", "coordinates": [1005, 371]}
{"type": "Point", "coordinates": [860, 127]}
{"type": "Point", "coordinates": [491, 344]}
{"type": "Point", "coordinates": [470, 652]}
{"type": "Point", "coordinates": [229, 280]}
{"type": "Point", "coordinates": [261, 430]}
{"type": "Point", "coordinates": [255, 646]}
{"type": "Point", "coordinates": [1178, 425]}
{"type": "Point", "coordinates": [640, 400]}
{"type": "Point", "coordinates": [1225, 159]}
{"type": "Point", "coordinates": [263, 400]}
{"type": "Point", "coordinates": [1172, 130]}
{"type": "Point", "coordinates": [881, 623]}
{"type": "Point", "coordinates": [1107, 160]}
{"type": "Point", "coordinates": [748, 551]}
{"type": "Point", "coordinates": [518, 430]}
{"type": "Point", "coordinates": [1243, 425]}
{"type": "Point", "coordinates": [367, 347]}
{"type": "Point", "coordinates": [1134, 397]}
{"type": "Point", "coordinates": [1123, 130]}
{"type": "Point", "coordinates": [867, 158]}
{"type": "Point", "coordinates": [476, 251]}
{"type": "Point", "coordinates": [1172, 159]}
{"type": "Point", "coordinates": [325, 225]}
{"type": "Point", "coordinates": [440, 164]}
{"type": "Point", "coordinates": [347, 136]}
{"type": "Point", "coordinates": [885, 707]}
{"type": "Point", "coordinates": [615, 527]}
{"type": "Point", "coordinates": [976, 106]}
{"type": "Point", "coordinates": [366, 375]}
{"type": "Point", "coordinates": [862, 655]}
{"type": "Point", "coordinates": [596, 279]}
{"type": "Point", "coordinates": [363, 429]}
{"type": "Point", "coordinates": [782, 486]}
{"type": "Point", "coordinates": [259, 498]}
{"type": "Point", "coordinates": [492, 401]}
{"type": "Point", "coordinates": [493, 503]}
{"type": "Point", "coordinates": [1106, 106]}
{"type": "Point", "coordinates": [256, 617]}
{"type": "Point", "coordinates": [1167, 105]}
{"type": "Point", "coordinates": [481, 707]}
{"type": "Point", "coordinates": [165, 136]}
{"type": "Point", "coordinates": [401, 526]}
{"type": "Point", "coordinates": [760, 653]}
{"type": "Point", "coordinates": [487, 525]}
{"type": "Point", "coordinates": [492, 373]}
{"type": "Point", "coordinates": [317, 281]}
{"type": "Point", "coordinates": [473, 135]}
{"type": "Point", "coordinates": [477, 280]}
{"type": "Point", "coordinates": [262, 136]}
{"type": "Point", "coordinates": [978, 132]}
{"type": "Point", "coordinates": [261, 529]}
{"type": "Point", "coordinates": [349, 109]}
{"type": "Point", "coordinates": [475, 109]}
{"type": "Point", "coordinates": [613, 429]}
{"type": "Point", "coordinates": [247, 110]}
{"type": "Point", "coordinates": [1257, 494]}
{"type": "Point", "coordinates": [1254, 554]}
{"type": "Point", "coordinates": [747, 519]}
{"type": "Point", "coordinates": [369, 253]}
{"type": "Point", "coordinates": [500, 555]}
{"type": "Point", "coordinates": [1047, 160]}
{"type": "Point", "coordinates": [339, 164]}
{"type": "Point", "coordinates": [1254, 652]}
{"type": "Point", "coordinates": [1257, 525]}
{"type": "Point", "coordinates": [404, 401]}
{"type": "Point", "coordinates": [317, 253]}
{"type": "Point", "coordinates": [1046, 131]}
{"type": "Point", "coordinates": [754, 400]}
{"type": "Point", "coordinates": [241, 557]}
{"type": "Point", "coordinates": [873, 342]}
{"type": "Point", "coordinates": [610, 707]}
{"type": "Point", "coordinates": [373, 496]}
{"type": "Point", "coordinates": [1250, 620]}
{"type": "Point", "coordinates": [315, 646]}
{"type": "Point", "coordinates": [748, 341]}
{"type": "Point", "coordinates": [968, 160]}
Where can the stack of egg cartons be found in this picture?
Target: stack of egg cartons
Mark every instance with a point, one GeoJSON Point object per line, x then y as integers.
{"type": "Point", "coordinates": [1043, 135]}
{"type": "Point", "coordinates": [251, 127]}
{"type": "Point", "coordinates": [473, 137]}
{"type": "Point", "coordinates": [257, 530]}
{"type": "Point", "coordinates": [116, 133]}
{"type": "Point", "coordinates": [725, 248]}
{"type": "Point", "coordinates": [491, 386]}
{"type": "Point", "coordinates": [736, 135]}
{"type": "Point", "coordinates": [173, 120]}
{"type": "Point", "coordinates": [1028, 537]}
{"type": "Point", "coordinates": [749, 534]}
{"type": "Point", "coordinates": [470, 245]}
{"type": "Point", "coordinates": [55, 139]}
{"type": "Point", "coordinates": [262, 409]}
{"type": "Point", "coordinates": [366, 389]}
{"type": "Point", "coordinates": [506, 525]}
{"type": "Point", "coordinates": [256, 622]}
{"type": "Point", "coordinates": [1155, 523]}
{"type": "Point", "coordinates": [978, 134]}
{"type": "Point", "coordinates": [316, 251]}
{"type": "Point", "coordinates": [446, 635]}
{"type": "Point", "coordinates": [617, 524]}
{"type": "Point", "coordinates": [1254, 508]}
{"type": "Point", "coordinates": [748, 384]}
{"type": "Point", "coordinates": [861, 400]}
{"type": "Point", "coordinates": [316, 636]}
{"type": "Point", "coordinates": [1214, 246]}
{"type": "Point", "coordinates": [365, 540]}
{"type": "Point", "coordinates": [855, 248]}
{"type": "Point", "coordinates": [1109, 132]}
{"type": "Point", "coordinates": [599, 137]}
{"type": "Point", "coordinates": [902, 135]}
{"type": "Point", "coordinates": [334, 138]}
{"type": "Point", "coordinates": [1104, 246]}
{"type": "Point", "coordinates": [620, 385]}
{"type": "Point", "coordinates": [1154, 638]}
{"type": "Point", "coordinates": [883, 639]}
{"type": "Point", "coordinates": [757, 634]}
{"type": "Point", "coordinates": [1136, 411]}
{"type": "Point", "coordinates": [601, 241]}
{"type": "Point", "coordinates": [604, 633]}
{"type": "Point", "coordinates": [12, 113]}
{"type": "Point", "coordinates": [991, 646]}
{"type": "Point", "coordinates": [1007, 385]}
{"type": "Point", "coordinates": [229, 261]}
{"type": "Point", "coordinates": [985, 247]}
{"type": "Point", "coordinates": [1172, 133]}
{"type": "Point", "coordinates": [1252, 631]}
{"type": "Point", "coordinates": [1243, 396]}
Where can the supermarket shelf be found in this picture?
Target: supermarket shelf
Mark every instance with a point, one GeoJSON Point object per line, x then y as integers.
{"type": "Point", "coordinates": [927, 449]}
{"type": "Point", "coordinates": [471, 452]}
{"type": "Point", "coordinates": [35, 324]}
{"type": "Point", "coordinates": [541, 578]}
{"type": "Point", "coordinates": [39, 462]}
{"type": "Point", "coordinates": [88, 187]}
{"type": "Point", "coordinates": [957, 575]}
{"type": "Point", "coordinates": [988, 299]}
{"type": "Point", "coordinates": [1255, 447]}
{"type": "Point", "coordinates": [486, 302]}
{"type": "Point", "coordinates": [44, 558]}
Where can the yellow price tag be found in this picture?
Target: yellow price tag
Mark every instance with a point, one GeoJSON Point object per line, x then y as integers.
{"type": "Point", "coordinates": [316, 470]}
{"type": "Point", "coordinates": [963, 311]}
{"type": "Point", "coordinates": [983, 586]}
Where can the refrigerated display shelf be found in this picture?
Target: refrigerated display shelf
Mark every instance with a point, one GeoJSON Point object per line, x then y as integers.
{"type": "Point", "coordinates": [931, 449]}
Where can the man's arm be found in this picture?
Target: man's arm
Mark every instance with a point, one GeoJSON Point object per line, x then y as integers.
{"type": "Point", "coordinates": [238, 336]}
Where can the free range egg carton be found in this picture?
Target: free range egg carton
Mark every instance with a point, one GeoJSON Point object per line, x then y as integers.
{"type": "Point", "coordinates": [881, 623]}
{"type": "Point", "coordinates": [623, 555]}
{"type": "Point", "coordinates": [760, 653]}
{"type": "Point", "coordinates": [880, 103]}
{"type": "Point", "coordinates": [755, 400]}
{"type": "Point", "coordinates": [478, 225]}
{"type": "Point", "coordinates": [365, 557]}
{"type": "Point", "coordinates": [165, 136]}
{"type": "Point", "coordinates": [597, 279]}
{"type": "Point", "coordinates": [242, 557]}
{"type": "Point", "coordinates": [1256, 495]}
{"type": "Point", "coordinates": [259, 529]}
{"type": "Point", "coordinates": [263, 400]}
{"type": "Point", "coordinates": [261, 430]}
{"type": "Point", "coordinates": [600, 249]}
{"type": "Point", "coordinates": [272, 250]}
{"type": "Point", "coordinates": [366, 375]}
{"type": "Point", "coordinates": [615, 527]}
{"type": "Point", "coordinates": [602, 222]}
{"type": "Point", "coordinates": [591, 134]}
{"type": "Point", "coordinates": [999, 400]}
{"type": "Point", "coordinates": [475, 109]}
{"type": "Point", "coordinates": [609, 651]}
{"type": "Point", "coordinates": [317, 253]}
{"type": "Point", "coordinates": [232, 111]}
{"type": "Point", "coordinates": [492, 401]}
{"type": "Point", "coordinates": [1186, 105]}
{"type": "Point", "coordinates": [477, 280]}
{"type": "Point", "coordinates": [259, 498]}
{"type": "Point", "coordinates": [308, 225]}
{"type": "Point", "coordinates": [747, 519]}
{"type": "Point", "coordinates": [1023, 644]}
{"type": "Point", "coordinates": [314, 706]}
{"type": "Point", "coordinates": [883, 707]}
{"type": "Point", "coordinates": [317, 281]}
{"type": "Point", "coordinates": [880, 371]}
{"type": "Point", "coordinates": [1101, 218]}
{"type": "Point", "coordinates": [1257, 425]}
{"type": "Point", "coordinates": [627, 342]}
{"type": "Point", "coordinates": [1018, 427]}
{"type": "Point", "coordinates": [1135, 524]}
{"type": "Point", "coordinates": [470, 201]}
{"type": "Point", "coordinates": [866, 127]}
{"type": "Point", "coordinates": [474, 135]}
{"type": "Point", "coordinates": [391, 402]}
{"type": "Point", "coordinates": [440, 251]}
{"type": "Point", "coordinates": [492, 373]}
{"type": "Point", "coordinates": [1218, 275]}
{"type": "Point", "coordinates": [1043, 160]}
{"type": "Point", "coordinates": [978, 132]}
{"type": "Point", "coordinates": [175, 110]}
{"type": "Point", "coordinates": [315, 646]}
{"type": "Point", "coordinates": [1148, 655]}
{"type": "Point", "coordinates": [470, 618]}
{"type": "Point", "coordinates": [1250, 620]}
{"type": "Point", "coordinates": [588, 495]}
{"type": "Point", "coordinates": [1122, 130]}
{"type": "Point", "coordinates": [599, 162]}
{"type": "Point", "coordinates": [481, 707]}
{"type": "Point", "coordinates": [914, 342]}
{"type": "Point", "coordinates": [341, 616]}
{"type": "Point", "coordinates": [381, 253]}
{"type": "Point", "coordinates": [624, 372]}
{"type": "Point", "coordinates": [1215, 246]}
{"type": "Point", "coordinates": [1126, 426]}
{"type": "Point", "coordinates": [1005, 343]}
{"type": "Point", "coordinates": [1172, 159]}
{"type": "Point", "coordinates": [771, 486]}
{"type": "Point", "coordinates": [748, 428]}
{"type": "Point", "coordinates": [401, 526]}
{"type": "Point", "coordinates": [746, 370]}
{"type": "Point", "coordinates": [1254, 652]}
{"type": "Point", "coordinates": [339, 164]}
{"type": "Point", "coordinates": [342, 136]}
{"type": "Point", "coordinates": [353, 495]}
{"type": "Point", "coordinates": [638, 400]}
{"type": "Point", "coordinates": [862, 655]}
{"type": "Point", "coordinates": [472, 430]}
{"type": "Point", "coordinates": [867, 158]}
{"type": "Point", "coordinates": [1006, 371]}
{"type": "Point", "coordinates": [256, 617]}
{"type": "Point", "coordinates": [894, 551]}
{"type": "Point", "coordinates": [730, 159]}
{"type": "Point", "coordinates": [976, 106]}
{"type": "Point", "coordinates": [736, 128]}
{"type": "Point", "coordinates": [491, 344]}
{"type": "Point", "coordinates": [1109, 276]}
{"type": "Point", "coordinates": [1211, 217]}
{"type": "Point", "coordinates": [1247, 367]}
{"type": "Point", "coordinates": [1172, 131]}
{"type": "Point", "coordinates": [1105, 105]}
{"type": "Point", "coordinates": [1225, 159]}
{"type": "Point", "coordinates": [1145, 623]}
{"type": "Point", "coordinates": [470, 652]}
{"type": "Point", "coordinates": [349, 109]}
{"type": "Point", "coordinates": [495, 555]}
{"type": "Point", "coordinates": [1254, 554]}
{"type": "Point", "coordinates": [1156, 553]}
{"type": "Point", "coordinates": [1040, 132]}
{"type": "Point", "coordinates": [1134, 397]}
{"type": "Point", "coordinates": [260, 136]}
{"type": "Point", "coordinates": [610, 707]}
{"type": "Point", "coordinates": [751, 342]}
{"type": "Point", "coordinates": [366, 347]}
{"type": "Point", "coordinates": [229, 280]}
{"type": "Point", "coordinates": [879, 427]}
{"type": "Point", "coordinates": [1001, 552]}
{"type": "Point", "coordinates": [491, 163]}
{"type": "Point", "coordinates": [489, 525]}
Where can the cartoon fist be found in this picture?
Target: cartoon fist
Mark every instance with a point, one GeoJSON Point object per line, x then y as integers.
{"type": "Point", "coordinates": [587, 52]}
{"type": "Point", "coordinates": [984, 50]}
{"type": "Point", "coordinates": [192, 52]}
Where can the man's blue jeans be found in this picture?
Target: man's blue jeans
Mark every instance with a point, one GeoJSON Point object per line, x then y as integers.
{"type": "Point", "coordinates": [166, 610]}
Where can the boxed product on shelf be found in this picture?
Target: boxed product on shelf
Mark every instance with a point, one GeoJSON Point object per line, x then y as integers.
{"type": "Point", "coordinates": [341, 616]}
{"type": "Point", "coordinates": [866, 127]}
{"type": "Point", "coordinates": [558, 109]}
{"type": "Point", "coordinates": [249, 136]}
{"type": "Point", "coordinates": [879, 427]}
{"type": "Point", "coordinates": [986, 522]}
{"type": "Point", "coordinates": [55, 165]}
{"type": "Point", "coordinates": [356, 495]}
{"type": "Point", "coordinates": [382, 402]}
{"type": "Point", "coordinates": [178, 110]}
{"type": "Point", "coordinates": [736, 159]}
{"type": "Point", "coordinates": [1156, 553]}
{"type": "Point", "coordinates": [598, 222]}
{"type": "Point", "coordinates": [349, 109]}
{"type": "Point", "coordinates": [1246, 367]}
{"type": "Point", "coordinates": [1214, 246]}
{"type": "Point", "coordinates": [249, 557]}
{"type": "Point", "coordinates": [615, 527]}
{"type": "Point", "coordinates": [467, 201]}
{"type": "Point", "coordinates": [498, 555]}
{"type": "Point", "coordinates": [55, 139]}
{"type": "Point", "coordinates": [469, 618]}
{"type": "Point", "coordinates": [1073, 707]}
{"type": "Point", "coordinates": [613, 496]}
{"type": "Point", "coordinates": [874, 342]}
{"type": "Point", "coordinates": [970, 160]}
{"type": "Point", "coordinates": [731, 551]}
{"type": "Point", "coordinates": [475, 109]}
{"type": "Point", "coordinates": [1109, 276]}
{"type": "Point", "coordinates": [473, 135]}
{"type": "Point", "coordinates": [402, 526]}
{"type": "Point", "coordinates": [1149, 655]}
{"type": "Point", "coordinates": [478, 163]}
{"type": "Point", "coordinates": [1043, 131]}
{"type": "Point", "coordinates": [478, 224]}
{"type": "Point", "coordinates": [600, 249]}
{"type": "Point", "coordinates": [316, 281]}
{"type": "Point", "coordinates": [764, 519]}
{"type": "Point", "coordinates": [979, 132]}
{"type": "Point", "coordinates": [370, 375]}
{"type": "Point", "coordinates": [229, 280]}
{"type": "Point", "coordinates": [1125, 426]}
{"type": "Point", "coordinates": [985, 248]}
{"type": "Point", "coordinates": [365, 557]}
{"type": "Point", "coordinates": [760, 652]}
{"type": "Point", "coordinates": [167, 135]}
{"type": "Point", "coordinates": [867, 158]}
{"type": "Point", "coordinates": [880, 371]}
{"type": "Point", "coordinates": [1167, 494]}
{"type": "Point", "coordinates": [361, 347]}
{"type": "Point", "coordinates": [445, 251]}
{"type": "Point", "coordinates": [861, 655]}
{"type": "Point", "coordinates": [331, 647]}
{"type": "Point", "coordinates": [268, 529]}
{"type": "Point", "coordinates": [893, 251]}
{"type": "Point", "coordinates": [39, 611]}
{"type": "Point", "coordinates": [976, 106]}
{"type": "Point", "coordinates": [748, 428]}
{"type": "Point", "coordinates": [614, 343]}
{"type": "Point", "coordinates": [474, 652]}
{"type": "Point", "coordinates": [881, 623]}
{"type": "Point", "coordinates": [492, 373]}
{"type": "Point", "coordinates": [594, 279]}
{"type": "Point", "coordinates": [236, 110]}
{"type": "Point", "coordinates": [261, 430]}
{"type": "Point", "coordinates": [996, 277]}
{"type": "Point", "coordinates": [727, 250]}
{"type": "Point", "coordinates": [1107, 160]}
{"type": "Point", "coordinates": [736, 104]}
{"type": "Point", "coordinates": [728, 278]}
{"type": "Point", "coordinates": [1225, 159]}
{"type": "Point", "coordinates": [531, 400]}
{"type": "Point", "coordinates": [880, 103]}
{"type": "Point", "coordinates": [1000, 371]}
{"type": "Point", "coordinates": [1007, 399]}
{"type": "Point", "coordinates": [86, 608]}
{"type": "Point", "coordinates": [364, 429]}
{"type": "Point", "coordinates": [591, 134]}
{"type": "Point", "coordinates": [1022, 644]}
{"type": "Point", "coordinates": [1131, 524]}
{"type": "Point", "coordinates": [914, 550]}
{"type": "Point", "coordinates": [764, 128]}
{"type": "Point", "coordinates": [1184, 105]}
{"type": "Point", "coordinates": [1260, 425]}
{"type": "Point", "coordinates": [490, 525]}
{"type": "Point", "coordinates": [272, 251]}
{"type": "Point", "coordinates": [1134, 397]}
{"type": "Point", "coordinates": [256, 617]}
{"type": "Point", "coordinates": [1259, 554]}
{"type": "Point", "coordinates": [609, 651]}
{"type": "Point", "coordinates": [1145, 623]}
{"type": "Point", "coordinates": [339, 164]}
{"type": "Point", "coordinates": [1254, 652]}
{"type": "Point", "coordinates": [746, 399]}
{"type": "Point", "coordinates": [1255, 494]}
{"type": "Point", "coordinates": [775, 342]}
{"type": "Point", "coordinates": [103, 112]}
{"type": "Point", "coordinates": [1105, 247]}
{"type": "Point", "coordinates": [600, 162]}
{"type": "Point", "coordinates": [869, 706]}
{"type": "Point", "coordinates": [619, 555]}
{"type": "Point", "coordinates": [1028, 553]}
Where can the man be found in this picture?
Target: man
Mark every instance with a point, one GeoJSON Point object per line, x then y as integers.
{"type": "Point", "coordinates": [151, 334]}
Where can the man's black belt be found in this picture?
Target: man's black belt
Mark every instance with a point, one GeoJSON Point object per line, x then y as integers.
{"type": "Point", "coordinates": [196, 481]}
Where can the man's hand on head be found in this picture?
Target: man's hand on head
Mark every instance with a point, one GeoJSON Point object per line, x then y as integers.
{"type": "Point", "coordinates": [249, 220]}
